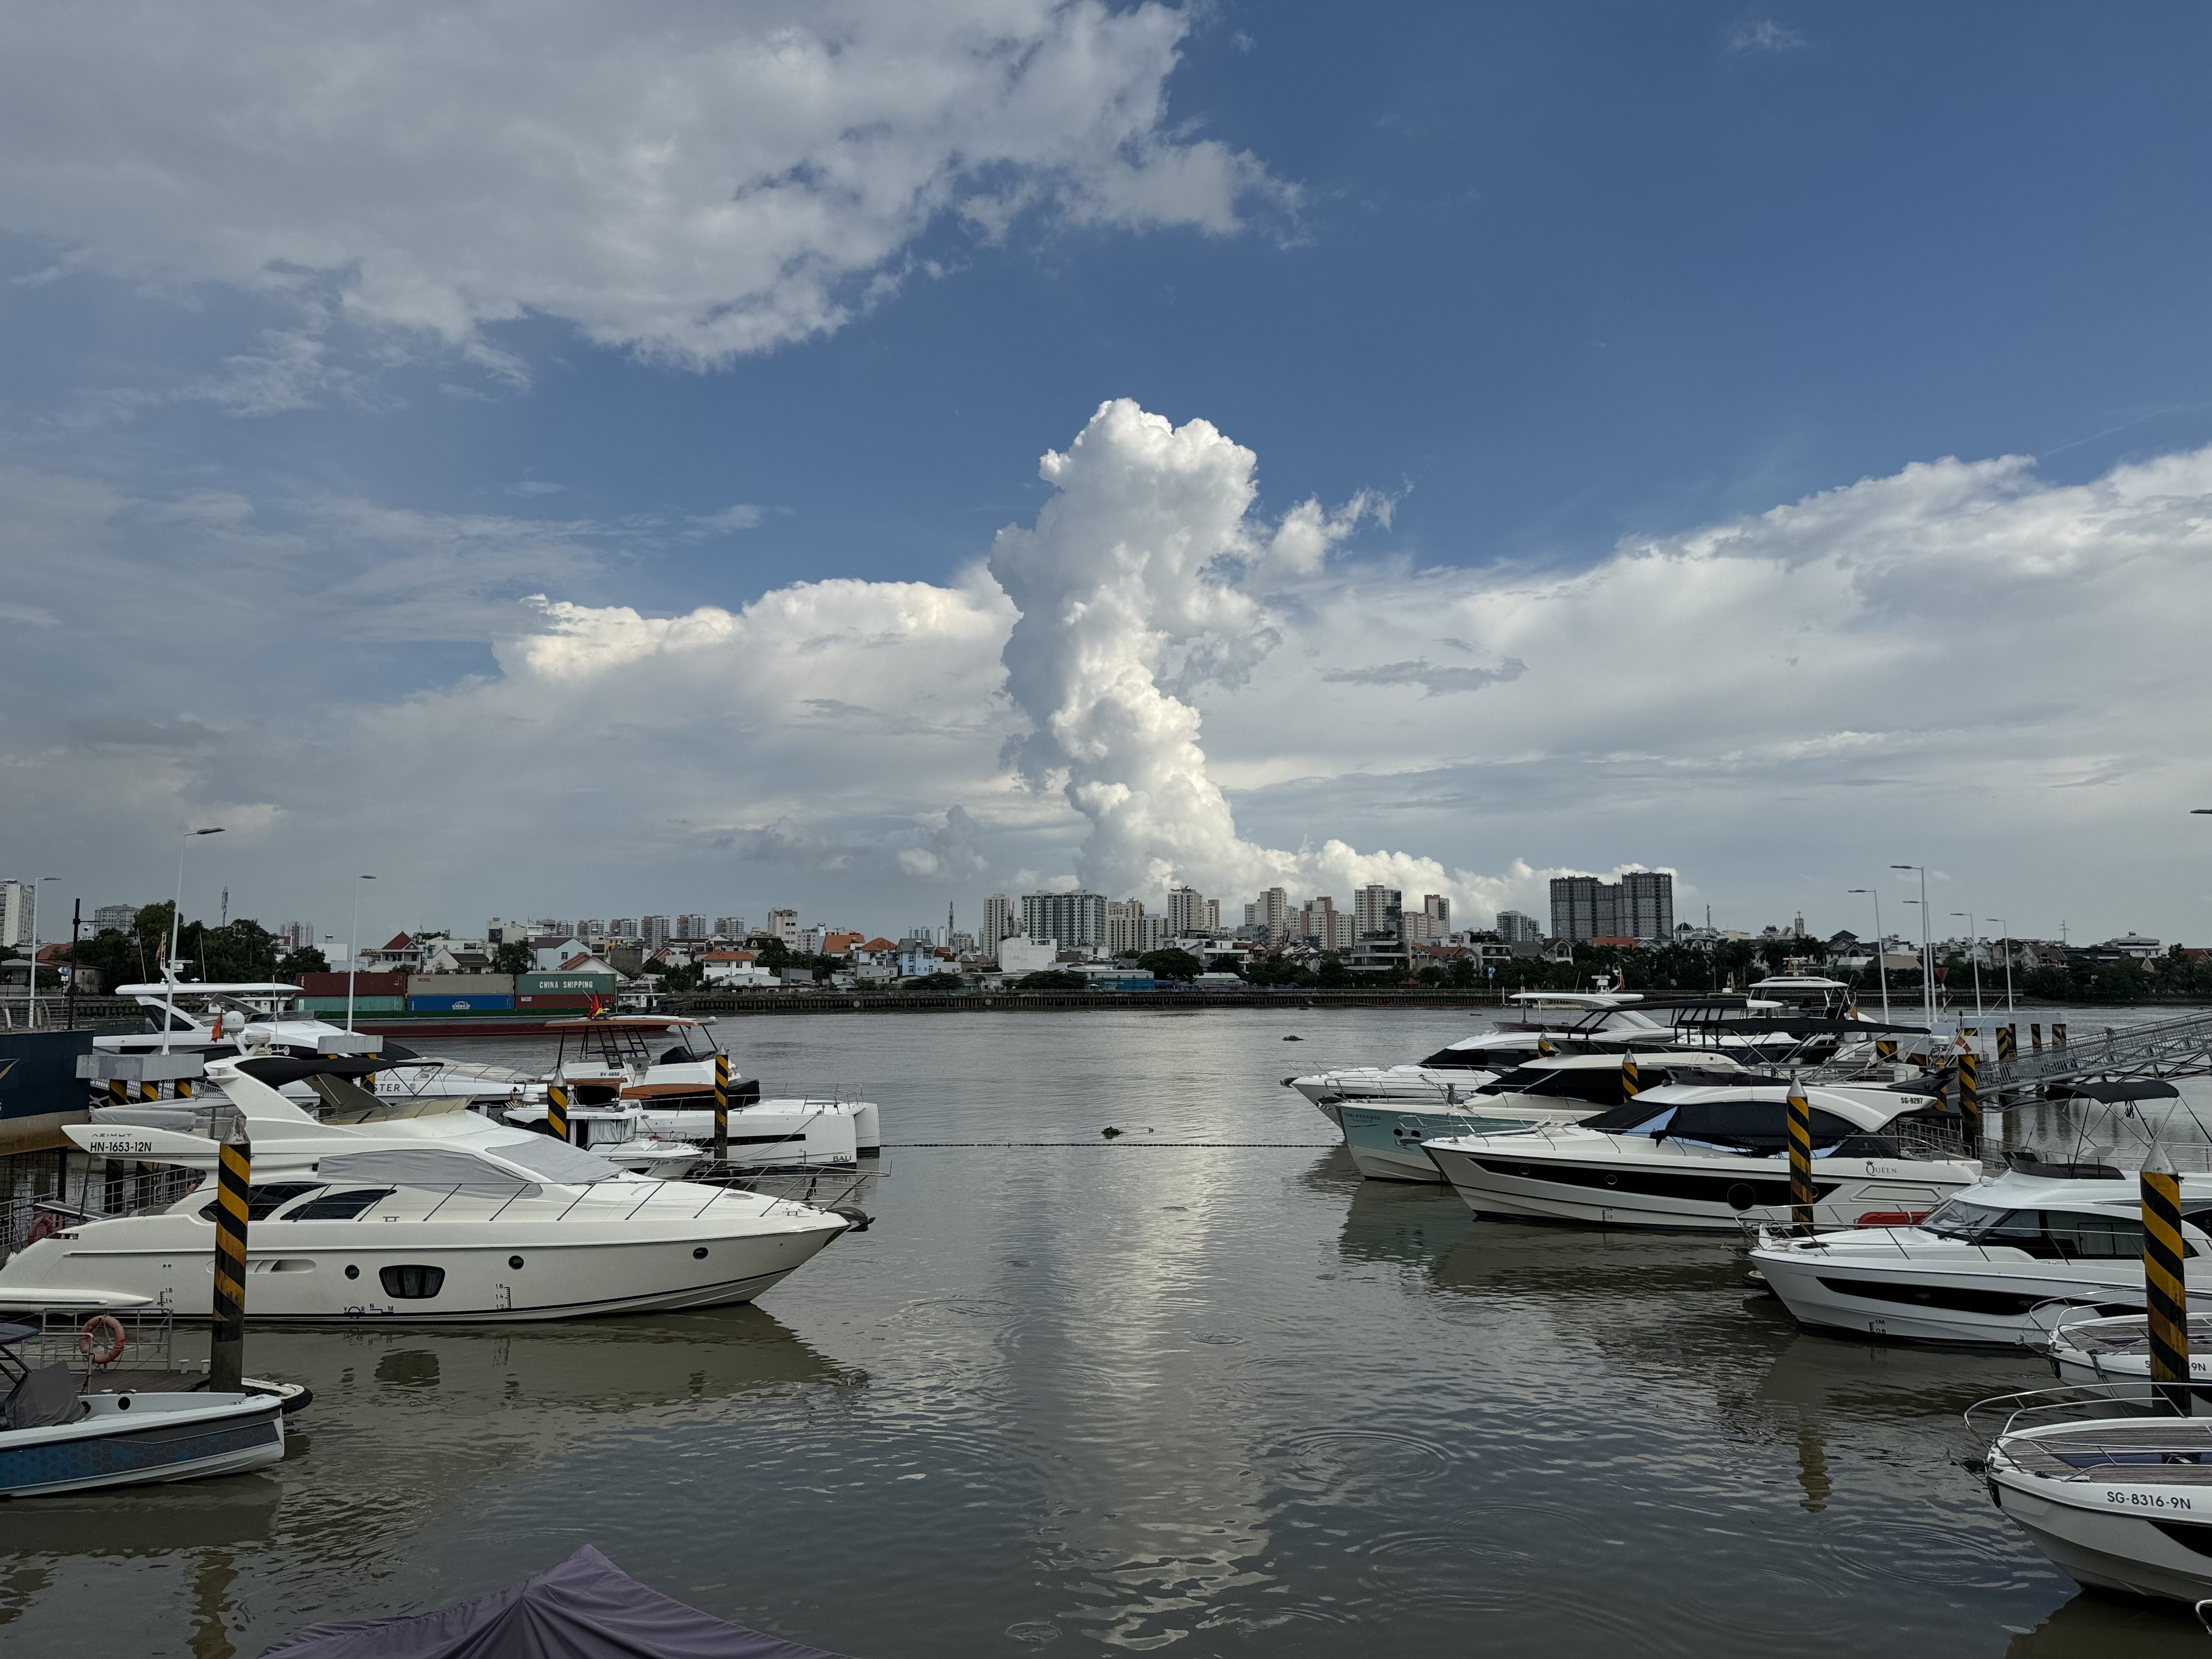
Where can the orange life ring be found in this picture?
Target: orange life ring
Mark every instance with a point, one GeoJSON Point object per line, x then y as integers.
{"type": "Point", "coordinates": [102, 1325]}
{"type": "Point", "coordinates": [45, 1224]}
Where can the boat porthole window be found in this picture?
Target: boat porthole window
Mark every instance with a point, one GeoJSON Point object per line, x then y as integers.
{"type": "Point", "coordinates": [1740, 1197]}
{"type": "Point", "coordinates": [514, 1261]}
{"type": "Point", "coordinates": [699, 1255]}
{"type": "Point", "coordinates": [123, 1403]}
{"type": "Point", "coordinates": [1612, 1181]}
{"type": "Point", "coordinates": [353, 1270]}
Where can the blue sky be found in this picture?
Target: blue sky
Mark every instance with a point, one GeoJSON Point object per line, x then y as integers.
{"type": "Point", "coordinates": [1545, 278]}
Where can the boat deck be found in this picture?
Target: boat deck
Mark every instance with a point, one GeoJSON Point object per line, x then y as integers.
{"type": "Point", "coordinates": [2162, 1452]}
{"type": "Point", "coordinates": [2131, 1336]}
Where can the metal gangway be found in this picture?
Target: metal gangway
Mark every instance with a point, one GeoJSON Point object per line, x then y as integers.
{"type": "Point", "coordinates": [2165, 1049]}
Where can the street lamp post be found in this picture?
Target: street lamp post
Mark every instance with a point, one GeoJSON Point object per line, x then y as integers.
{"type": "Point", "coordinates": [1927, 968]}
{"type": "Point", "coordinates": [1974, 955]}
{"type": "Point", "coordinates": [353, 951]}
{"type": "Point", "coordinates": [176, 927]}
{"type": "Point", "coordinates": [2007, 936]}
{"type": "Point", "coordinates": [1880, 948]}
{"type": "Point", "coordinates": [31, 980]}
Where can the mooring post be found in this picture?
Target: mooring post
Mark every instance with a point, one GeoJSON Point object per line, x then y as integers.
{"type": "Point", "coordinates": [1801, 1156]}
{"type": "Point", "coordinates": [1631, 1081]}
{"type": "Point", "coordinates": [2035, 1037]}
{"type": "Point", "coordinates": [556, 1110]}
{"type": "Point", "coordinates": [226, 1338]}
{"type": "Point", "coordinates": [2165, 1289]}
{"type": "Point", "coordinates": [1970, 1095]}
{"type": "Point", "coordinates": [721, 1107]}
{"type": "Point", "coordinates": [2058, 1036]}
{"type": "Point", "coordinates": [1884, 1051]}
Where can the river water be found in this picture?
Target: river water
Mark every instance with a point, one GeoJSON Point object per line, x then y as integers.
{"type": "Point", "coordinates": [1194, 1399]}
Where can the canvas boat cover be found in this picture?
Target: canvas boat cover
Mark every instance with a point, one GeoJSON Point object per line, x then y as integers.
{"type": "Point", "coordinates": [585, 1608]}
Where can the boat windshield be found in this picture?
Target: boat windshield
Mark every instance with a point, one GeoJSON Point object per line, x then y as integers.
{"type": "Point", "coordinates": [1962, 1218]}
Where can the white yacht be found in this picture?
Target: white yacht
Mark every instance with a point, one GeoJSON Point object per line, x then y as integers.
{"type": "Point", "coordinates": [665, 1064]}
{"type": "Point", "coordinates": [1707, 1159]}
{"type": "Point", "coordinates": [1995, 1265]}
{"type": "Point", "coordinates": [1387, 1141]}
{"type": "Point", "coordinates": [2119, 1503]}
{"type": "Point", "coordinates": [2112, 1352]}
{"type": "Point", "coordinates": [424, 1220]}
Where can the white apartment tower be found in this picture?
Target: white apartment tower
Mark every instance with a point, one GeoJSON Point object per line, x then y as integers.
{"type": "Point", "coordinates": [1002, 918]}
{"type": "Point", "coordinates": [784, 925]}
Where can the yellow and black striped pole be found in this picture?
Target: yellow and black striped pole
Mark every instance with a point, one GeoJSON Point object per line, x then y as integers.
{"type": "Point", "coordinates": [556, 1111]}
{"type": "Point", "coordinates": [117, 1094]}
{"type": "Point", "coordinates": [227, 1344]}
{"type": "Point", "coordinates": [1970, 1090]}
{"type": "Point", "coordinates": [2165, 1291]}
{"type": "Point", "coordinates": [721, 1107]}
{"type": "Point", "coordinates": [1631, 1081]}
{"type": "Point", "coordinates": [149, 1092]}
{"type": "Point", "coordinates": [1544, 1046]}
{"type": "Point", "coordinates": [1801, 1157]}
{"type": "Point", "coordinates": [1884, 1051]}
{"type": "Point", "coordinates": [2035, 1037]}
{"type": "Point", "coordinates": [2058, 1036]}
{"type": "Point", "coordinates": [2007, 1044]}
{"type": "Point", "coordinates": [183, 1087]}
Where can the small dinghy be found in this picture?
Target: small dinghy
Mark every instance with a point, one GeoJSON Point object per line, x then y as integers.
{"type": "Point", "coordinates": [586, 1607]}
{"type": "Point", "coordinates": [68, 1427]}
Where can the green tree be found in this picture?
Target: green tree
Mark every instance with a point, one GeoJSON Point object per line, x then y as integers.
{"type": "Point", "coordinates": [1171, 965]}
{"type": "Point", "coordinates": [1331, 974]}
{"type": "Point", "coordinates": [937, 982]}
{"type": "Point", "coordinates": [1431, 976]}
{"type": "Point", "coordinates": [1464, 974]}
{"type": "Point", "coordinates": [307, 959]}
{"type": "Point", "coordinates": [513, 957]}
{"type": "Point", "coordinates": [1049, 979]}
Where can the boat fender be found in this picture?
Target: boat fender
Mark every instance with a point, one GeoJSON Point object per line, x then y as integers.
{"type": "Point", "coordinates": [859, 1219]}
{"type": "Point", "coordinates": [102, 1328]}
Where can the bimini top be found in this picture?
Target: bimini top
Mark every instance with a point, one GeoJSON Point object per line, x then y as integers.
{"type": "Point", "coordinates": [586, 1607]}
{"type": "Point", "coordinates": [1757, 1116]}
{"type": "Point", "coordinates": [622, 1022]}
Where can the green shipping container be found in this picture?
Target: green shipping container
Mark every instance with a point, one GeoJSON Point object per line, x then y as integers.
{"type": "Point", "coordinates": [361, 1005]}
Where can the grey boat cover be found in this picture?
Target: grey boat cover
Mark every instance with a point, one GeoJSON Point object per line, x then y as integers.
{"type": "Point", "coordinates": [585, 1608]}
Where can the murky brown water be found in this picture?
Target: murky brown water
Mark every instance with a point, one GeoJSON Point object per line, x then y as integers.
{"type": "Point", "coordinates": [1209, 1400]}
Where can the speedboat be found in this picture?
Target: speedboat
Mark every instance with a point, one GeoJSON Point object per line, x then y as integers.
{"type": "Point", "coordinates": [69, 1426]}
{"type": "Point", "coordinates": [434, 1218]}
{"type": "Point", "coordinates": [1387, 1142]}
{"type": "Point", "coordinates": [2119, 1503]}
{"type": "Point", "coordinates": [1695, 1156]}
{"type": "Point", "coordinates": [2112, 1352]}
{"type": "Point", "coordinates": [1994, 1265]}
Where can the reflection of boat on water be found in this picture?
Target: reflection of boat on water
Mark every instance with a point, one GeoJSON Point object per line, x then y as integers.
{"type": "Point", "coordinates": [1874, 1382]}
{"type": "Point", "coordinates": [1396, 1221]}
{"type": "Point", "coordinates": [2092, 1626]}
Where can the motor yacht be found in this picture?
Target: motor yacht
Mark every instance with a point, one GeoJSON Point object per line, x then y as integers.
{"type": "Point", "coordinates": [1698, 1158]}
{"type": "Point", "coordinates": [2120, 1504]}
{"type": "Point", "coordinates": [1387, 1142]}
{"type": "Point", "coordinates": [665, 1064]}
{"type": "Point", "coordinates": [1994, 1265]}
{"type": "Point", "coordinates": [424, 1220]}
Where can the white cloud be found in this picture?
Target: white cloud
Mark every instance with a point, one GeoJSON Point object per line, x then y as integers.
{"type": "Point", "coordinates": [1764, 34]}
{"type": "Point", "coordinates": [691, 182]}
{"type": "Point", "coordinates": [1960, 665]}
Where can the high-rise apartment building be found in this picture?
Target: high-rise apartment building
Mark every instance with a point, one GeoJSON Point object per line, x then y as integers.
{"type": "Point", "coordinates": [1639, 906]}
{"type": "Point", "coordinates": [784, 925]}
{"type": "Point", "coordinates": [1272, 912]}
{"type": "Point", "coordinates": [1122, 917]}
{"type": "Point", "coordinates": [1322, 925]}
{"type": "Point", "coordinates": [655, 931]}
{"type": "Point", "coordinates": [1432, 920]}
{"type": "Point", "coordinates": [1187, 912]}
{"type": "Point", "coordinates": [1379, 912]}
{"type": "Point", "coordinates": [1515, 928]}
{"type": "Point", "coordinates": [591, 930]}
{"type": "Point", "coordinates": [691, 927]}
{"type": "Point", "coordinates": [118, 917]}
{"type": "Point", "coordinates": [18, 913]}
{"type": "Point", "coordinates": [1002, 918]}
{"type": "Point", "coordinates": [625, 927]}
{"type": "Point", "coordinates": [1074, 921]}
{"type": "Point", "coordinates": [1214, 916]}
{"type": "Point", "coordinates": [296, 935]}
{"type": "Point", "coordinates": [729, 926]}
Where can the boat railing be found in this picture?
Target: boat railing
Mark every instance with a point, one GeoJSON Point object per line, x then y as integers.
{"type": "Point", "coordinates": [93, 1197]}
{"type": "Point", "coordinates": [2144, 1429]}
{"type": "Point", "coordinates": [81, 1341]}
{"type": "Point", "coordinates": [666, 1200]}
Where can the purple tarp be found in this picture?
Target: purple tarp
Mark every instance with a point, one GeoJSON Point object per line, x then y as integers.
{"type": "Point", "coordinates": [587, 1607]}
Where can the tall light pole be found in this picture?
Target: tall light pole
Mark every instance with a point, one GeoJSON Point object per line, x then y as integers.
{"type": "Point", "coordinates": [1927, 968]}
{"type": "Point", "coordinates": [176, 927]}
{"type": "Point", "coordinates": [1880, 948]}
{"type": "Point", "coordinates": [2007, 936]}
{"type": "Point", "coordinates": [31, 983]}
{"type": "Point", "coordinates": [353, 951]}
{"type": "Point", "coordinates": [1974, 955]}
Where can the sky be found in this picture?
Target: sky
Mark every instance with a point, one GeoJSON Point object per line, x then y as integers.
{"type": "Point", "coordinates": [583, 461]}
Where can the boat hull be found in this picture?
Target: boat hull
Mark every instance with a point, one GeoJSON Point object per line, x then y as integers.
{"type": "Point", "coordinates": [530, 1270]}
{"type": "Point", "coordinates": [1974, 1301]}
{"type": "Point", "coordinates": [1391, 1144]}
{"type": "Point", "coordinates": [156, 1439]}
{"type": "Point", "coordinates": [2108, 1548]}
{"type": "Point", "coordinates": [1534, 1180]}
{"type": "Point", "coordinates": [775, 1134]}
